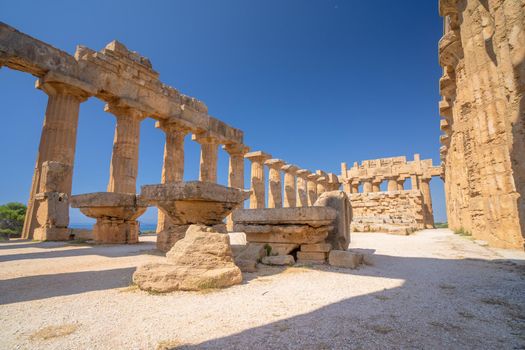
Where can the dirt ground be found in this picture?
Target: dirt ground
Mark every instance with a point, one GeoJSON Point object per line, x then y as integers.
{"type": "Point", "coordinates": [430, 290]}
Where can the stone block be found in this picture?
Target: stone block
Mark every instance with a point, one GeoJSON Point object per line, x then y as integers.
{"type": "Point", "coordinates": [282, 248]}
{"type": "Point", "coordinates": [311, 256]}
{"type": "Point", "coordinates": [51, 234]}
{"type": "Point", "coordinates": [318, 247]}
{"type": "Point", "coordinates": [339, 235]}
{"type": "Point", "coordinates": [290, 234]}
{"type": "Point", "coordinates": [340, 258]}
{"type": "Point", "coordinates": [312, 216]}
{"type": "Point", "coordinates": [279, 260]}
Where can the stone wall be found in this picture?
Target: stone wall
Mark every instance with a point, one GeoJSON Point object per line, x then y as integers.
{"type": "Point", "coordinates": [400, 212]}
{"type": "Point", "coordinates": [482, 53]}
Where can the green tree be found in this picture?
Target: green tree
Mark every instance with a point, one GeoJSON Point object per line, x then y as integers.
{"type": "Point", "coordinates": [12, 218]}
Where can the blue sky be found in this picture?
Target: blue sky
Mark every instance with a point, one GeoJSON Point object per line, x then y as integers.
{"type": "Point", "coordinates": [312, 82]}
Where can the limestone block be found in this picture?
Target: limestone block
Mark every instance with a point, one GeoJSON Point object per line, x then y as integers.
{"type": "Point", "coordinates": [202, 259]}
{"type": "Point", "coordinates": [340, 258]}
{"type": "Point", "coordinates": [51, 234]}
{"type": "Point", "coordinates": [319, 247]}
{"type": "Point", "coordinates": [294, 234]}
{"type": "Point", "coordinates": [313, 216]}
{"type": "Point", "coordinates": [311, 256]}
{"type": "Point", "coordinates": [52, 209]}
{"type": "Point", "coordinates": [282, 248]}
{"type": "Point", "coordinates": [278, 260]}
{"type": "Point", "coordinates": [247, 256]}
{"type": "Point", "coordinates": [82, 234]}
{"type": "Point", "coordinates": [339, 236]}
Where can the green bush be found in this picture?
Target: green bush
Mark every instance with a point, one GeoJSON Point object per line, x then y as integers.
{"type": "Point", "coordinates": [12, 218]}
{"type": "Point", "coordinates": [441, 225]}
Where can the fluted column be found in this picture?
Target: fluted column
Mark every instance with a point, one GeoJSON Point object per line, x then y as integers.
{"type": "Point", "coordinates": [275, 197]}
{"type": "Point", "coordinates": [401, 184]}
{"type": "Point", "coordinates": [57, 144]}
{"type": "Point", "coordinates": [290, 195]}
{"type": "Point", "coordinates": [125, 157]}
{"type": "Point", "coordinates": [367, 185]}
{"type": "Point", "coordinates": [427, 202]}
{"type": "Point", "coordinates": [311, 186]}
{"type": "Point", "coordinates": [392, 184]}
{"type": "Point", "coordinates": [302, 189]}
{"type": "Point", "coordinates": [376, 184]}
{"type": "Point", "coordinates": [209, 152]}
{"type": "Point", "coordinates": [257, 197]}
{"type": "Point", "coordinates": [235, 171]}
{"type": "Point", "coordinates": [173, 165]}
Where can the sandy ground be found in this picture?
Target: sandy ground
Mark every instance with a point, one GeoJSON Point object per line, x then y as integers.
{"type": "Point", "coordinates": [431, 290]}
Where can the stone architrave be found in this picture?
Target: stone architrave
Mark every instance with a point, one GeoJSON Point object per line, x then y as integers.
{"type": "Point", "coordinates": [173, 165]}
{"type": "Point", "coordinates": [290, 191]}
{"type": "Point", "coordinates": [302, 189]}
{"type": "Point", "coordinates": [57, 144]}
{"type": "Point", "coordinates": [275, 198]}
{"type": "Point", "coordinates": [311, 186]}
{"type": "Point", "coordinates": [209, 153]}
{"type": "Point", "coordinates": [257, 197]}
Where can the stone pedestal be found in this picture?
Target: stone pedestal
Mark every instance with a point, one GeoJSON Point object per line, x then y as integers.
{"type": "Point", "coordinates": [116, 215]}
{"type": "Point", "coordinates": [290, 195]}
{"type": "Point", "coordinates": [257, 197]}
{"type": "Point", "coordinates": [275, 198]}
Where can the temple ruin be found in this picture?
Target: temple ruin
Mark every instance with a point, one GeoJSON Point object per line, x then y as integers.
{"type": "Point", "coordinates": [396, 210]}
{"type": "Point", "coordinates": [482, 53]}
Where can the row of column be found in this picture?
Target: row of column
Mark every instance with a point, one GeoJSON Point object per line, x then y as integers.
{"type": "Point", "coordinates": [301, 187]}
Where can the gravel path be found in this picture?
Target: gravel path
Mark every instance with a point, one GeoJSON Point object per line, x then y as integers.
{"type": "Point", "coordinates": [431, 290]}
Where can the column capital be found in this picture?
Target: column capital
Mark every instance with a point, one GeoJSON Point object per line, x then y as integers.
{"type": "Point", "coordinates": [290, 169]}
{"type": "Point", "coordinates": [236, 149]}
{"type": "Point", "coordinates": [313, 177]}
{"type": "Point", "coordinates": [377, 179]}
{"type": "Point", "coordinates": [172, 127]}
{"type": "Point", "coordinates": [274, 163]}
{"type": "Point", "coordinates": [204, 138]}
{"type": "Point", "coordinates": [54, 83]}
{"type": "Point", "coordinates": [257, 156]}
{"type": "Point", "coordinates": [303, 173]}
{"type": "Point", "coordinates": [121, 108]}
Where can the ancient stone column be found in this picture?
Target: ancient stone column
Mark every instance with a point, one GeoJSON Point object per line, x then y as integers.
{"type": "Point", "coordinates": [401, 184]}
{"type": "Point", "coordinates": [275, 198]}
{"type": "Point", "coordinates": [376, 184]}
{"type": "Point", "coordinates": [173, 165]}
{"type": "Point", "coordinates": [302, 189]}
{"type": "Point", "coordinates": [311, 186]}
{"type": "Point", "coordinates": [208, 162]}
{"type": "Point", "coordinates": [235, 171]}
{"type": "Point", "coordinates": [257, 197]}
{"type": "Point", "coordinates": [427, 202]}
{"type": "Point", "coordinates": [347, 186]}
{"type": "Point", "coordinates": [332, 183]}
{"type": "Point", "coordinates": [355, 186]}
{"type": "Point", "coordinates": [367, 185]}
{"type": "Point", "coordinates": [125, 156]}
{"type": "Point", "coordinates": [57, 144]}
{"type": "Point", "coordinates": [392, 184]}
{"type": "Point", "coordinates": [290, 197]}
{"type": "Point", "coordinates": [415, 182]}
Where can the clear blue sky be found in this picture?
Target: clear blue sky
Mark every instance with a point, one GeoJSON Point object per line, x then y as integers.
{"type": "Point", "coordinates": [311, 82]}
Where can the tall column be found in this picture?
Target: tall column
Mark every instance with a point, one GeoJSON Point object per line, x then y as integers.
{"type": "Point", "coordinates": [311, 186]}
{"type": "Point", "coordinates": [257, 197]}
{"type": "Point", "coordinates": [275, 197]}
{"type": "Point", "coordinates": [57, 144]}
{"type": "Point", "coordinates": [367, 185]}
{"type": "Point", "coordinates": [427, 201]}
{"type": "Point", "coordinates": [173, 165]}
{"type": "Point", "coordinates": [208, 162]}
{"type": "Point", "coordinates": [392, 183]}
{"type": "Point", "coordinates": [401, 184]}
{"type": "Point", "coordinates": [235, 171]}
{"type": "Point", "coordinates": [355, 186]}
{"type": "Point", "coordinates": [347, 187]}
{"type": "Point", "coordinates": [376, 184]}
{"type": "Point", "coordinates": [302, 189]}
{"type": "Point", "coordinates": [125, 157]}
{"type": "Point", "coordinates": [290, 197]}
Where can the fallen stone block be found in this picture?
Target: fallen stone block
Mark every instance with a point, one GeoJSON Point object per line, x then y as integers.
{"type": "Point", "coordinates": [278, 260]}
{"type": "Point", "coordinates": [340, 258]}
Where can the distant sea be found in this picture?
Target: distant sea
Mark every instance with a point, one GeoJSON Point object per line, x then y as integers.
{"type": "Point", "coordinates": [143, 226]}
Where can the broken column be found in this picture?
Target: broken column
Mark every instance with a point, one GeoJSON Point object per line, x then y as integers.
{"type": "Point", "coordinates": [208, 162]}
{"type": "Point", "coordinates": [290, 196]}
{"type": "Point", "coordinates": [57, 144]}
{"type": "Point", "coordinates": [274, 183]}
{"type": "Point", "coordinates": [257, 197]}
{"type": "Point", "coordinates": [173, 165]}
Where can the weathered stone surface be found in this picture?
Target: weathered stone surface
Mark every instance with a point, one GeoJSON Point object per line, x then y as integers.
{"type": "Point", "coordinates": [340, 258]}
{"type": "Point", "coordinates": [482, 53]}
{"type": "Point", "coordinates": [318, 247]}
{"type": "Point", "coordinates": [311, 256]}
{"type": "Point", "coordinates": [281, 248]}
{"type": "Point", "coordinates": [339, 235]}
{"type": "Point", "coordinates": [247, 256]}
{"type": "Point", "coordinates": [297, 234]}
{"type": "Point", "coordinates": [279, 260]}
{"type": "Point", "coordinates": [312, 216]}
{"type": "Point", "coordinates": [194, 202]}
{"type": "Point", "coordinates": [202, 259]}
{"type": "Point", "coordinates": [397, 212]}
